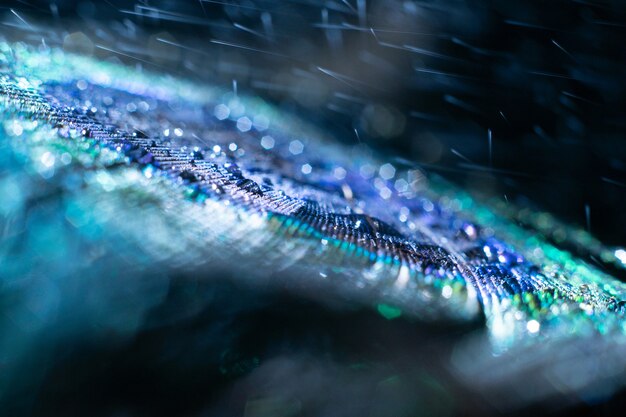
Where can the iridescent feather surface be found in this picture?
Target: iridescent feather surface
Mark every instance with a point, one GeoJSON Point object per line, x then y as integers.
{"type": "Point", "coordinates": [111, 178]}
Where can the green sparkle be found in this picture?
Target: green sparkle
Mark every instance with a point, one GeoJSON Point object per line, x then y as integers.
{"type": "Point", "coordinates": [388, 312]}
